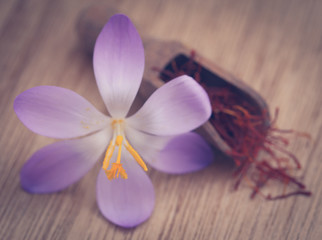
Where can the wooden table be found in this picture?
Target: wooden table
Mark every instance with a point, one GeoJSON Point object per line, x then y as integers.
{"type": "Point", "coordinates": [274, 46]}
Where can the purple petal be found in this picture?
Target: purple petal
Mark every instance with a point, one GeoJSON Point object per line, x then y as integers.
{"type": "Point", "coordinates": [126, 202]}
{"type": "Point", "coordinates": [60, 164]}
{"type": "Point", "coordinates": [147, 145]}
{"type": "Point", "coordinates": [58, 112]}
{"type": "Point", "coordinates": [185, 153]}
{"type": "Point", "coordinates": [118, 64]}
{"type": "Point", "coordinates": [179, 106]}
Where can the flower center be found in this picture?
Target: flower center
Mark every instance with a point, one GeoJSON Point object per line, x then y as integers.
{"type": "Point", "coordinates": [118, 141]}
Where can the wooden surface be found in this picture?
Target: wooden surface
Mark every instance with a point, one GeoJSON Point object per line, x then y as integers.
{"type": "Point", "coordinates": [274, 46]}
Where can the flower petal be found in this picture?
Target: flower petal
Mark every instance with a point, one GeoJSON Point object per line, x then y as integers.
{"type": "Point", "coordinates": [147, 145]}
{"type": "Point", "coordinates": [126, 202]}
{"type": "Point", "coordinates": [58, 112]}
{"type": "Point", "coordinates": [185, 153]}
{"type": "Point", "coordinates": [60, 164]}
{"type": "Point", "coordinates": [118, 64]}
{"type": "Point", "coordinates": [179, 106]}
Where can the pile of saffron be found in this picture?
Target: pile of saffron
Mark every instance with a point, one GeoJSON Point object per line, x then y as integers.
{"type": "Point", "coordinates": [258, 147]}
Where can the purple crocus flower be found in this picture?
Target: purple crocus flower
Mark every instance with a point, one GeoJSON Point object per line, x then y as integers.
{"type": "Point", "coordinates": [158, 132]}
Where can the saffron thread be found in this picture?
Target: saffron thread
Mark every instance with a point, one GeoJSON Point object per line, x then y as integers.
{"type": "Point", "coordinates": [246, 129]}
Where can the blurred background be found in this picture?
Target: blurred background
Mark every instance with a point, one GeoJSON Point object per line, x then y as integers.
{"type": "Point", "coordinates": [273, 46]}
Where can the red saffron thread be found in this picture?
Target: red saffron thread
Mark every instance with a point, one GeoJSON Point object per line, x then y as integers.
{"type": "Point", "coordinates": [246, 130]}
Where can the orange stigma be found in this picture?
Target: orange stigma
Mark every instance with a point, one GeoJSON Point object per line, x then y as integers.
{"type": "Point", "coordinates": [118, 141]}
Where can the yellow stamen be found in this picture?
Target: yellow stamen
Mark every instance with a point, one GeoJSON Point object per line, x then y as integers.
{"type": "Point", "coordinates": [118, 140]}
{"type": "Point", "coordinates": [108, 155]}
{"type": "Point", "coordinates": [115, 171]}
{"type": "Point", "coordinates": [136, 156]}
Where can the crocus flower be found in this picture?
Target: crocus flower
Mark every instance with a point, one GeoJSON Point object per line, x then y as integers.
{"type": "Point", "coordinates": [158, 132]}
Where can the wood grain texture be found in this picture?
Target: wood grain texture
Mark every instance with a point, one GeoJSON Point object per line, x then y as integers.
{"type": "Point", "coordinates": [274, 46]}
